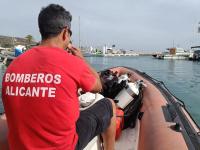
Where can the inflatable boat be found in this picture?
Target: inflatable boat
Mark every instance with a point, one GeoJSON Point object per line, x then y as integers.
{"type": "Point", "coordinates": [160, 121]}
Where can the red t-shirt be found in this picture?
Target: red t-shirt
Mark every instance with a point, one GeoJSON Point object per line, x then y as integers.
{"type": "Point", "coordinates": [39, 93]}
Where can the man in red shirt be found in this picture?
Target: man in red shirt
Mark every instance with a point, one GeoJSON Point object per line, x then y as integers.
{"type": "Point", "coordinates": [39, 92]}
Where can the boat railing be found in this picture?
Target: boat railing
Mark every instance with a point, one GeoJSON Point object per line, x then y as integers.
{"type": "Point", "coordinates": [188, 126]}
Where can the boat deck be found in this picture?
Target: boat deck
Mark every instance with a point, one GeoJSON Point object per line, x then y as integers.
{"type": "Point", "coordinates": [129, 138]}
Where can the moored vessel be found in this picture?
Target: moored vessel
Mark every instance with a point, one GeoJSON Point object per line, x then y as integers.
{"type": "Point", "coordinates": [173, 53]}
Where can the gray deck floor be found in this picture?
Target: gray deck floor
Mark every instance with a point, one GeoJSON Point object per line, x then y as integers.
{"type": "Point", "coordinates": [129, 139]}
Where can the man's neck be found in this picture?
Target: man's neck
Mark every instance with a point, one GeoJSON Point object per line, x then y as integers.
{"type": "Point", "coordinates": [52, 42]}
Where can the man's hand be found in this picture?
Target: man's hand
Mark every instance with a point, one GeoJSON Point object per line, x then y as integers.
{"type": "Point", "coordinates": [75, 51]}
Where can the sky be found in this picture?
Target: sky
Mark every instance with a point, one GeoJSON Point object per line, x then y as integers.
{"type": "Point", "coordinates": [150, 25]}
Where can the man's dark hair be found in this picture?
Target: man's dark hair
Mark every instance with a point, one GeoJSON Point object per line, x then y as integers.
{"type": "Point", "coordinates": [52, 19]}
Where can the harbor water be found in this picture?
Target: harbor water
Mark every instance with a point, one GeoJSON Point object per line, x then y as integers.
{"type": "Point", "coordinates": [181, 77]}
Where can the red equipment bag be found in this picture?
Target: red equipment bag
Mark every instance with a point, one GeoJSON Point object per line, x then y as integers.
{"type": "Point", "coordinates": [119, 122]}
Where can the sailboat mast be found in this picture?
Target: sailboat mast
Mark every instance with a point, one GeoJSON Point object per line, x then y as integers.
{"type": "Point", "coordinates": [79, 33]}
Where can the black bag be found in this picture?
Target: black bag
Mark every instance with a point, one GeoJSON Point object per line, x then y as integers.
{"type": "Point", "coordinates": [132, 110]}
{"type": "Point", "coordinates": [110, 84]}
{"type": "Point", "coordinates": [111, 88]}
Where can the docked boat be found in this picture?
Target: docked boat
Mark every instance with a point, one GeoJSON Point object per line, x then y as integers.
{"type": "Point", "coordinates": [195, 53]}
{"type": "Point", "coordinates": [87, 53]}
{"type": "Point", "coordinates": [8, 56]}
{"type": "Point", "coordinates": [160, 121]}
{"type": "Point", "coordinates": [6, 59]}
{"type": "Point", "coordinates": [174, 53]}
{"type": "Point", "coordinates": [91, 54]}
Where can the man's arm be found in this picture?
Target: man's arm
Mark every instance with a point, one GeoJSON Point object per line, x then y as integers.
{"type": "Point", "coordinates": [77, 52]}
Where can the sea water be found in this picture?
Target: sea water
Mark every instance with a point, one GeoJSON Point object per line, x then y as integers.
{"type": "Point", "coordinates": [181, 77]}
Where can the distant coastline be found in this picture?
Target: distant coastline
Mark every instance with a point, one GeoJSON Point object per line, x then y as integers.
{"type": "Point", "coordinates": [8, 41]}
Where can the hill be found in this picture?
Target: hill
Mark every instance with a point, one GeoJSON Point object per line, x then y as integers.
{"type": "Point", "coordinates": [8, 42]}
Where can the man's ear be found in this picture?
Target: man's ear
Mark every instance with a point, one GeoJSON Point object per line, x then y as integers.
{"type": "Point", "coordinates": [64, 34]}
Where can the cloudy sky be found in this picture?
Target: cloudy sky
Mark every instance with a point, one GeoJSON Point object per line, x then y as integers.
{"type": "Point", "coordinates": [129, 24]}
